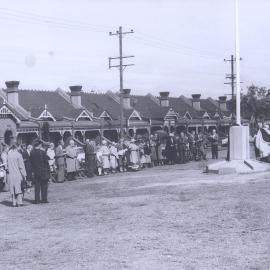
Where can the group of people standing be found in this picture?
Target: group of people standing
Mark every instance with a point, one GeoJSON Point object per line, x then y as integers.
{"type": "Point", "coordinates": [24, 167]}
{"type": "Point", "coordinates": [36, 164]}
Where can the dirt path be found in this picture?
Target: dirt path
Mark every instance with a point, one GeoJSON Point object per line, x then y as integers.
{"type": "Point", "coordinates": [162, 218]}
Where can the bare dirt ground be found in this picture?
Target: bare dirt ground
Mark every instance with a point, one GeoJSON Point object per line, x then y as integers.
{"type": "Point", "coordinates": [171, 217]}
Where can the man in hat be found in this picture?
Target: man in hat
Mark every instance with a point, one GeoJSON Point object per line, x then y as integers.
{"type": "Point", "coordinates": [90, 159]}
{"type": "Point", "coordinates": [170, 149]}
{"type": "Point", "coordinates": [181, 145]}
{"type": "Point", "coordinates": [41, 170]}
{"type": "Point", "coordinates": [16, 174]}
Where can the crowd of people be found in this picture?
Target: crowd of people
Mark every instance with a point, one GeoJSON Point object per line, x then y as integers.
{"type": "Point", "coordinates": [39, 163]}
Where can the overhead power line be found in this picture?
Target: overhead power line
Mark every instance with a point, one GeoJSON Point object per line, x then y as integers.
{"type": "Point", "coordinates": [49, 20]}
{"type": "Point", "coordinates": [119, 33]}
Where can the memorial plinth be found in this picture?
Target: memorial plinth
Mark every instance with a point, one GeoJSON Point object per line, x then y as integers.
{"type": "Point", "coordinates": [240, 161]}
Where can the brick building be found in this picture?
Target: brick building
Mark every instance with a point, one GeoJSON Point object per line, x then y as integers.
{"type": "Point", "coordinates": [26, 114]}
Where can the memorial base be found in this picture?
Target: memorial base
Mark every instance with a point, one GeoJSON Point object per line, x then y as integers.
{"type": "Point", "coordinates": [238, 166]}
{"type": "Point", "coordinates": [240, 161]}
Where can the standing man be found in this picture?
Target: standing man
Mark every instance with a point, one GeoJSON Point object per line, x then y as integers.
{"type": "Point", "coordinates": [27, 164]}
{"type": "Point", "coordinates": [200, 142]}
{"type": "Point", "coordinates": [214, 144]}
{"type": "Point", "coordinates": [71, 157]}
{"type": "Point", "coordinates": [192, 144]}
{"type": "Point", "coordinates": [60, 162]}
{"type": "Point", "coordinates": [171, 149]}
{"type": "Point", "coordinates": [16, 174]}
{"type": "Point", "coordinates": [41, 170]}
{"type": "Point", "coordinates": [182, 142]}
{"type": "Point", "coordinates": [90, 160]}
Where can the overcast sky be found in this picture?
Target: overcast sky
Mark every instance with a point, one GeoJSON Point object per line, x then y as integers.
{"type": "Point", "coordinates": [179, 45]}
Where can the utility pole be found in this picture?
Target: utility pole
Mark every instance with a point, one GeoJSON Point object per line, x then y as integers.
{"type": "Point", "coordinates": [121, 67]}
{"type": "Point", "coordinates": [232, 78]}
{"type": "Point", "coordinates": [232, 75]}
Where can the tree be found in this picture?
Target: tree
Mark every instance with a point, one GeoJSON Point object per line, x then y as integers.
{"type": "Point", "coordinates": [255, 103]}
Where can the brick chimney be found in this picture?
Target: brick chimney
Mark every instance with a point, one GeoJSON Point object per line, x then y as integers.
{"type": "Point", "coordinates": [222, 103]}
{"type": "Point", "coordinates": [75, 95]}
{"type": "Point", "coordinates": [164, 99]}
{"type": "Point", "coordinates": [12, 92]}
{"type": "Point", "coordinates": [126, 99]}
{"type": "Point", "coordinates": [196, 103]}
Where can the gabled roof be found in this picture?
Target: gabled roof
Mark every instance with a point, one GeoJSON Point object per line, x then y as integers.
{"type": "Point", "coordinates": [34, 101]}
{"type": "Point", "coordinates": [7, 107]}
{"type": "Point", "coordinates": [209, 105]}
{"type": "Point", "coordinates": [98, 103]}
{"type": "Point", "coordinates": [181, 106]}
{"type": "Point", "coordinates": [147, 108]}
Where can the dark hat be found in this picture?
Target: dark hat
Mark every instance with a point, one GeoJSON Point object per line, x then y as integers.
{"type": "Point", "coordinates": [37, 142]}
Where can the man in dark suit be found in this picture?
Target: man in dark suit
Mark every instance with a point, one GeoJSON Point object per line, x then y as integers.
{"type": "Point", "coordinates": [181, 145]}
{"type": "Point", "coordinates": [171, 149]}
{"type": "Point", "coordinates": [41, 171]}
{"type": "Point", "coordinates": [90, 160]}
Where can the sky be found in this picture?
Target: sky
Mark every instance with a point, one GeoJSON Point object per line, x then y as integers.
{"type": "Point", "coordinates": [179, 45]}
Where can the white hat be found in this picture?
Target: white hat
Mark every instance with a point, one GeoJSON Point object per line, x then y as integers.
{"type": "Point", "coordinates": [104, 142]}
{"type": "Point", "coordinates": [171, 134]}
{"type": "Point", "coordinates": [132, 140]}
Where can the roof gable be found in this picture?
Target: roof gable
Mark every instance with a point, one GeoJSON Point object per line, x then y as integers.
{"type": "Point", "coordinates": [206, 116]}
{"type": "Point", "coordinates": [188, 116]}
{"type": "Point", "coordinates": [84, 115]}
{"type": "Point", "coordinates": [171, 114]}
{"type": "Point", "coordinates": [135, 115]}
{"type": "Point", "coordinates": [46, 115]}
{"type": "Point", "coordinates": [105, 115]}
{"type": "Point", "coordinates": [5, 112]}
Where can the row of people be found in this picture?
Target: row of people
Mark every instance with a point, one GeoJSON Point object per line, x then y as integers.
{"type": "Point", "coordinates": [104, 158]}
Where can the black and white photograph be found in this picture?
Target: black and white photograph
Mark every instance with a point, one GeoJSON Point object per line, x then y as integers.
{"type": "Point", "coordinates": [134, 134]}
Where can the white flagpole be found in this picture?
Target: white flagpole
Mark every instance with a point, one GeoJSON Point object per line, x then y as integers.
{"type": "Point", "coordinates": [237, 58]}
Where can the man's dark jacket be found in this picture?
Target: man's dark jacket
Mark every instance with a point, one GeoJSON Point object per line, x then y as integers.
{"type": "Point", "coordinates": [40, 165]}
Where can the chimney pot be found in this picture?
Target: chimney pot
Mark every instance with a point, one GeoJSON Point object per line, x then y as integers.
{"type": "Point", "coordinates": [75, 95]}
{"type": "Point", "coordinates": [196, 104]}
{"type": "Point", "coordinates": [12, 92]}
{"type": "Point", "coordinates": [75, 89]}
{"type": "Point", "coordinates": [222, 98]}
{"type": "Point", "coordinates": [126, 99]}
{"type": "Point", "coordinates": [164, 98]}
{"type": "Point", "coordinates": [196, 96]}
{"type": "Point", "coordinates": [222, 103]}
{"type": "Point", "coordinates": [164, 95]}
